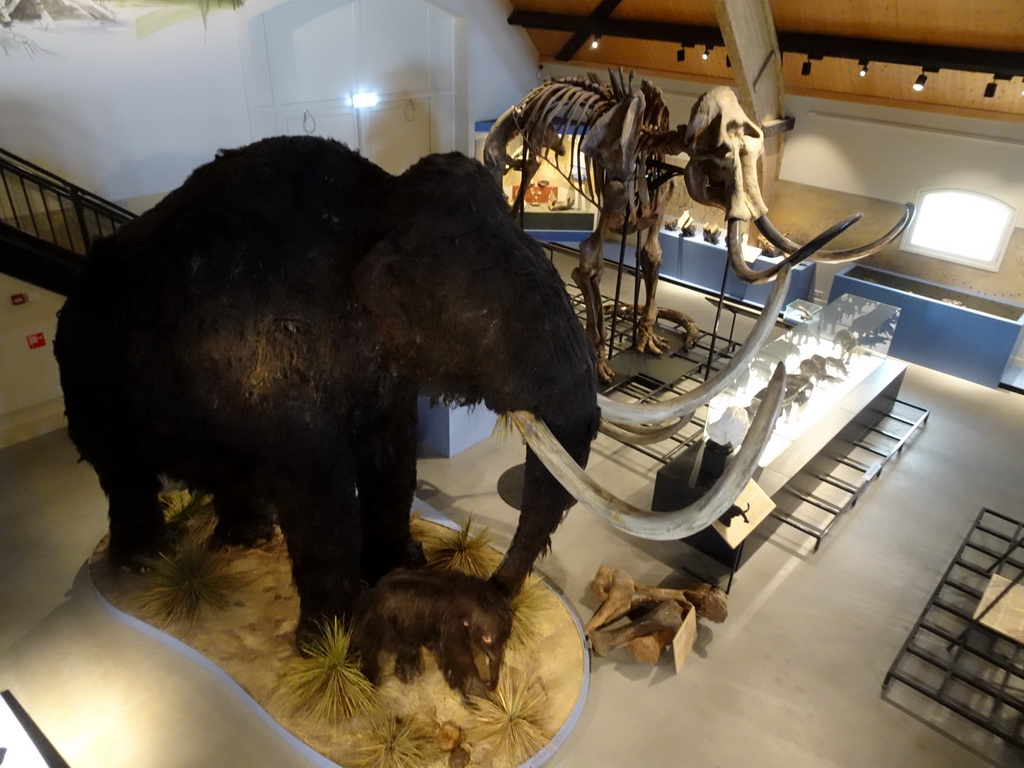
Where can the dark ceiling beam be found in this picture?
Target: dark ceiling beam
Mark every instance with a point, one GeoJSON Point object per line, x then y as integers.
{"type": "Point", "coordinates": [603, 11]}
{"type": "Point", "coordinates": [1005, 63]}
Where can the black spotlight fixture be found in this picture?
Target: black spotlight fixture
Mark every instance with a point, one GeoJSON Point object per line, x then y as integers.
{"type": "Point", "coordinates": [864, 67]}
{"type": "Point", "coordinates": [921, 80]}
{"type": "Point", "coordinates": [805, 70]}
{"type": "Point", "coordinates": [681, 54]}
{"type": "Point", "coordinates": [707, 52]}
{"type": "Point", "coordinates": [728, 61]}
{"type": "Point", "coordinates": [595, 42]}
{"type": "Point", "coordinates": [990, 89]}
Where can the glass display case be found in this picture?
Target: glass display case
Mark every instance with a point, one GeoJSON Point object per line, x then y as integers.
{"type": "Point", "coordinates": [826, 357]}
{"type": "Point", "coordinates": [552, 208]}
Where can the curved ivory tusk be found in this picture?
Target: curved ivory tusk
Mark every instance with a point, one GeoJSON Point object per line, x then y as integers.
{"type": "Point", "coordinates": [639, 435]}
{"type": "Point", "coordinates": [660, 525]}
{"type": "Point", "coordinates": [688, 402]}
{"type": "Point", "coordinates": [739, 266]}
{"type": "Point", "coordinates": [779, 240]}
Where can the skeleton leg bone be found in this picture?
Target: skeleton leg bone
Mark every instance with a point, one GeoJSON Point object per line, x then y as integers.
{"type": "Point", "coordinates": [666, 617]}
{"type": "Point", "coordinates": [650, 264]}
{"type": "Point", "coordinates": [588, 278]}
{"type": "Point", "coordinates": [621, 595]}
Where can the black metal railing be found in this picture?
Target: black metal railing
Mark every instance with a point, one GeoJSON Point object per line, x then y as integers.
{"type": "Point", "coordinates": [42, 204]}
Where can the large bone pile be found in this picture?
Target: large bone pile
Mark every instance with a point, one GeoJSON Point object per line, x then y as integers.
{"type": "Point", "coordinates": [661, 613]}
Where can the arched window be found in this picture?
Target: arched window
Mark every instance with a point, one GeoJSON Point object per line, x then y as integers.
{"type": "Point", "coordinates": [960, 226]}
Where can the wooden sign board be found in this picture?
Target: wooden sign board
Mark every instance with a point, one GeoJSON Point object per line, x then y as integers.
{"type": "Point", "coordinates": [682, 643]}
{"type": "Point", "coordinates": [757, 505]}
{"type": "Point", "coordinates": [1007, 616]}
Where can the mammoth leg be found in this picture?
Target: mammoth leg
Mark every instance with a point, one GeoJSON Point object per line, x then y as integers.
{"type": "Point", "coordinates": [588, 277]}
{"type": "Point", "coordinates": [386, 480]}
{"type": "Point", "coordinates": [137, 528]}
{"type": "Point", "coordinates": [408, 664]}
{"type": "Point", "coordinates": [650, 266]}
{"type": "Point", "coordinates": [244, 517]}
{"type": "Point", "coordinates": [456, 660]}
{"type": "Point", "coordinates": [319, 517]}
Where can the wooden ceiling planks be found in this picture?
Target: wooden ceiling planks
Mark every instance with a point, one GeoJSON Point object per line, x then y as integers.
{"type": "Point", "coordinates": [700, 12]}
{"type": "Point", "coordinates": [992, 25]}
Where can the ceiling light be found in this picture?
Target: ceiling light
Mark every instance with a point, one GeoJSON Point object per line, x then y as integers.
{"type": "Point", "coordinates": [921, 80]}
{"type": "Point", "coordinates": [990, 90]}
{"type": "Point", "coordinates": [864, 67]}
{"type": "Point", "coordinates": [806, 68]}
{"type": "Point", "coordinates": [681, 53]}
{"type": "Point", "coordinates": [364, 100]}
{"type": "Point", "coordinates": [596, 41]}
{"type": "Point", "coordinates": [707, 52]}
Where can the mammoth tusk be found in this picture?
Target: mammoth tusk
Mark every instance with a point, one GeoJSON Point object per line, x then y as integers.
{"type": "Point", "coordinates": [640, 435]}
{"type": "Point", "coordinates": [746, 274]}
{"type": "Point", "coordinates": [688, 402]}
{"type": "Point", "coordinates": [779, 240]}
{"type": "Point", "coordinates": [646, 523]}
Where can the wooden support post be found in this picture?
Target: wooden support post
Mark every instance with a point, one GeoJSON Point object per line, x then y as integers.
{"type": "Point", "coordinates": [749, 34]}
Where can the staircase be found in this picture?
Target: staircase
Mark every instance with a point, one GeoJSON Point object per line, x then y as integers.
{"type": "Point", "coordinates": [47, 224]}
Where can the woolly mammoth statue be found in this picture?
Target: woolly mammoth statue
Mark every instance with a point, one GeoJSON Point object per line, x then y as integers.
{"type": "Point", "coordinates": [263, 333]}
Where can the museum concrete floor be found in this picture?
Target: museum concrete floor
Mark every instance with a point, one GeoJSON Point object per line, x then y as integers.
{"type": "Point", "coordinates": [791, 679]}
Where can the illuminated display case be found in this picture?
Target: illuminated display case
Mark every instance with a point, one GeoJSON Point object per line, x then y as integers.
{"type": "Point", "coordinates": [826, 359]}
{"type": "Point", "coordinates": [553, 210]}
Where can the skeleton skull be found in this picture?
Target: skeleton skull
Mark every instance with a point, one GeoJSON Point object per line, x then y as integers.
{"type": "Point", "coordinates": [723, 145]}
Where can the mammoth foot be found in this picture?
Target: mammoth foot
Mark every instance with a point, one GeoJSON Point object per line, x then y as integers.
{"type": "Point", "coordinates": [604, 372]}
{"type": "Point", "coordinates": [408, 665]}
{"type": "Point", "coordinates": [248, 535]}
{"type": "Point", "coordinates": [140, 559]}
{"type": "Point", "coordinates": [651, 343]}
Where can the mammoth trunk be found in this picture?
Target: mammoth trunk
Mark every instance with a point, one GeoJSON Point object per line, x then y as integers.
{"type": "Point", "coordinates": [544, 502]}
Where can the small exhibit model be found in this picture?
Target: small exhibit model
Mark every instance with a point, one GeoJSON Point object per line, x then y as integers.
{"type": "Point", "coordinates": [620, 135]}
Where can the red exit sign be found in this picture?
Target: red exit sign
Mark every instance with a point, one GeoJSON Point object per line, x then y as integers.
{"type": "Point", "coordinates": [36, 340]}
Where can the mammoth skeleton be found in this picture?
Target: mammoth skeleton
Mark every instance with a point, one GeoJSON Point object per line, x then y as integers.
{"type": "Point", "coordinates": [619, 133]}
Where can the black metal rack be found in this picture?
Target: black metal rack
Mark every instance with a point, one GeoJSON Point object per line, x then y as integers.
{"type": "Point", "coordinates": [950, 657]}
{"type": "Point", "coordinates": [830, 485]}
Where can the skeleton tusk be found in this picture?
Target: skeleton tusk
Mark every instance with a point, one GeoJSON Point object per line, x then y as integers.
{"type": "Point", "coordinates": [641, 435]}
{"type": "Point", "coordinates": [646, 523]}
{"type": "Point", "coordinates": [779, 240]}
{"type": "Point", "coordinates": [684, 405]}
{"type": "Point", "coordinates": [746, 274]}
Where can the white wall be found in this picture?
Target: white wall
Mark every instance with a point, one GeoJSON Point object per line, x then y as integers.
{"type": "Point", "coordinates": [891, 154]}
{"type": "Point", "coordinates": [129, 109]}
{"type": "Point", "coordinates": [30, 398]}
{"type": "Point", "coordinates": [128, 116]}
{"type": "Point", "coordinates": [119, 114]}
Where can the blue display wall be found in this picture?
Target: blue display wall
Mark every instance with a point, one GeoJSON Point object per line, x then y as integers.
{"type": "Point", "coordinates": [958, 332]}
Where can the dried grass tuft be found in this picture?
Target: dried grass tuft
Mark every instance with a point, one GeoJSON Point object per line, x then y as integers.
{"type": "Point", "coordinates": [181, 506]}
{"type": "Point", "coordinates": [396, 742]}
{"type": "Point", "coordinates": [462, 549]}
{"type": "Point", "coordinates": [326, 684]}
{"type": "Point", "coordinates": [505, 428]}
{"type": "Point", "coordinates": [528, 606]}
{"type": "Point", "coordinates": [181, 587]}
{"type": "Point", "coordinates": [430, 535]}
{"type": "Point", "coordinates": [514, 722]}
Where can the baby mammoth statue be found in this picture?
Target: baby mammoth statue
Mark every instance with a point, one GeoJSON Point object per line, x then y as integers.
{"type": "Point", "coordinates": [451, 614]}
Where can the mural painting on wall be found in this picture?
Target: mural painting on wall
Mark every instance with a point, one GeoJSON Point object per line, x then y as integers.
{"type": "Point", "coordinates": [24, 24]}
